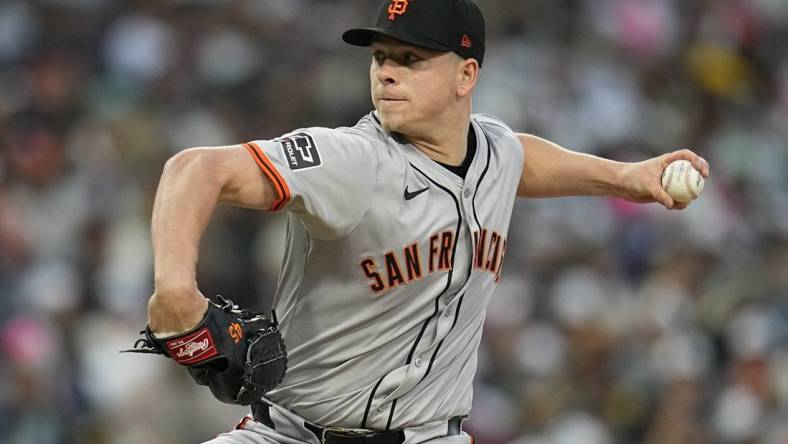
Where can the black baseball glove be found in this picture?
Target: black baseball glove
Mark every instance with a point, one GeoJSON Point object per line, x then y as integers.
{"type": "Point", "coordinates": [238, 354]}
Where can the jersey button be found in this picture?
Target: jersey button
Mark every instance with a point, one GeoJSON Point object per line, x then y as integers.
{"type": "Point", "coordinates": [447, 313]}
{"type": "Point", "coordinates": [381, 408]}
{"type": "Point", "coordinates": [419, 361]}
{"type": "Point", "coordinates": [467, 193]}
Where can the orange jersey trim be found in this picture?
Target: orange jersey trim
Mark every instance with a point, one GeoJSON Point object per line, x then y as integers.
{"type": "Point", "coordinates": [265, 164]}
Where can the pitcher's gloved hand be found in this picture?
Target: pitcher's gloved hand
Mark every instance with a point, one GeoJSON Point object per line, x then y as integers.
{"type": "Point", "coordinates": [238, 354]}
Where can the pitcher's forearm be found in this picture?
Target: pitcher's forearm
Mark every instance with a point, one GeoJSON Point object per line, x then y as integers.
{"type": "Point", "coordinates": [552, 171]}
{"type": "Point", "coordinates": [186, 198]}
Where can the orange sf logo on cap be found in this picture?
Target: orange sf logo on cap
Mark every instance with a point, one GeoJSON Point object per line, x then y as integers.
{"type": "Point", "coordinates": [235, 332]}
{"type": "Point", "coordinates": [397, 7]}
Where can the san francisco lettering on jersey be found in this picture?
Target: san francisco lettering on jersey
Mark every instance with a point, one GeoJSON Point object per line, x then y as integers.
{"type": "Point", "coordinates": [489, 252]}
{"type": "Point", "coordinates": [395, 269]}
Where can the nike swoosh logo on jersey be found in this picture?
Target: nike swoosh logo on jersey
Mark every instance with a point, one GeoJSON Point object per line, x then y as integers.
{"type": "Point", "coordinates": [409, 195]}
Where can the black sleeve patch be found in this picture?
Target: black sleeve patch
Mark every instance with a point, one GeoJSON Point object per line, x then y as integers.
{"type": "Point", "coordinates": [300, 151]}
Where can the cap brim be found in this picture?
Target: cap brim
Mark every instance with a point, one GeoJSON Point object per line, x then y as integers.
{"type": "Point", "coordinates": [364, 36]}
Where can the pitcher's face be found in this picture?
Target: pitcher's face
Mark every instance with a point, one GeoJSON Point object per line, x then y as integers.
{"type": "Point", "coordinates": [409, 84]}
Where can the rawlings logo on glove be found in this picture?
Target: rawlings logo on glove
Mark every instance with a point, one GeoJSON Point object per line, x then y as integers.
{"type": "Point", "coordinates": [183, 349]}
{"type": "Point", "coordinates": [238, 354]}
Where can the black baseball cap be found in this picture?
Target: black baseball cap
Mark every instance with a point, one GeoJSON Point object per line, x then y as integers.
{"type": "Point", "coordinates": [445, 25]}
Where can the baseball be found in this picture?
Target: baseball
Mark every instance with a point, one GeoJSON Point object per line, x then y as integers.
{"type": "Point", "coordinates": [682, 181]}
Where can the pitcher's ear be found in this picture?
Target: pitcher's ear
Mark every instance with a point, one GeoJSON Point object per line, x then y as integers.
{"type": "Point", "coordinates": [467, 76]}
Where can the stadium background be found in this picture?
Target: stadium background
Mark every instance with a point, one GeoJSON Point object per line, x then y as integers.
{"type": "Point", "coordinates": [614, 323]}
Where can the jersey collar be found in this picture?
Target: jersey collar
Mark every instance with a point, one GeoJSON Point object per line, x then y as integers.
{"type": "Point", "coordinates": [475, 136]}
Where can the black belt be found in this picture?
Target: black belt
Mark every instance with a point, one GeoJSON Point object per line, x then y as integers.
{"type": "Point", "coordinates": [262, 414]}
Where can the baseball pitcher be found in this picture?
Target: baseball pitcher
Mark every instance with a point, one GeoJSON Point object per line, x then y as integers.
{"type": "Point", "coordinates": [397, 234]}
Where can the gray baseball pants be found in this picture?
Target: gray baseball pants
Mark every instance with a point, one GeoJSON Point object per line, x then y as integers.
{"type": "Point", "coordinates": [289, 429]}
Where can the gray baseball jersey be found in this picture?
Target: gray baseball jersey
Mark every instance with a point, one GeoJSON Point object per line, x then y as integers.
{"type": "Point", "coordinates": [391, 260]}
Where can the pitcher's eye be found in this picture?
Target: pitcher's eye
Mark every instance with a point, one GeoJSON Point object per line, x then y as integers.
{"type": "Point", "coordinates": [410, 59]}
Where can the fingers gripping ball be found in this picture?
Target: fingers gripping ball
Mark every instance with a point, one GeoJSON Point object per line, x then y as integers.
{"type": "Point", "coordinates": [682, 181]}
{"type": "Point", "coordinates": [237, 354]}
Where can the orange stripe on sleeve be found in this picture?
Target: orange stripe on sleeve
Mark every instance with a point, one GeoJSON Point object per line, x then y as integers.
{"type": "Point", "coordinates": [268, 168]}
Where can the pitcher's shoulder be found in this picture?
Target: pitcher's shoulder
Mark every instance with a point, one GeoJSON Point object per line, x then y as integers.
{"type": "Point", "coordinates": [360, 139]}
{"type": "Point", "coordinates": [368, 129]}
{"type": "Point", "coordinates": [493, 124]}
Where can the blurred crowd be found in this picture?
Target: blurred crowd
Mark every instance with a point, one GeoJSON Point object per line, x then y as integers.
{"type": "Point", "coordinates": [613, 322]}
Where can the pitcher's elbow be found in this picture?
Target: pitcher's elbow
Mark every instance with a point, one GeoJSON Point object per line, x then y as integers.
{"type": "Point", "coordinates": [181, 160]}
